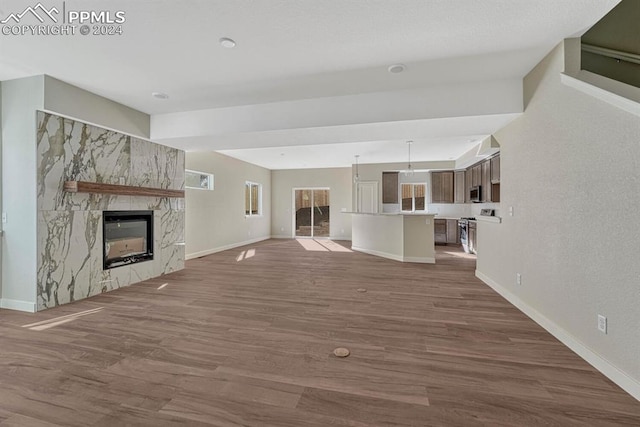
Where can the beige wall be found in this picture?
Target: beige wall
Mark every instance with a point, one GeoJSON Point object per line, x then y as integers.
{"type": "Point", "coordinates": [570, 170]}
{"type": "Point", "coordinates": [215, 220]}
{"type": "Point", "coordinates": [338, 180]}
{"type": "Point", "coordinates": [65, 99]}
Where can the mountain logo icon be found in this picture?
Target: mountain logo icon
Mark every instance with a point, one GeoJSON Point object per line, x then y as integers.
{"type": "Point", "coordinates": [39, 11]}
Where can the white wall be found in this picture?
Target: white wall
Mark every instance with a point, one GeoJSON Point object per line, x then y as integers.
{"type": "Point", "coordinates": [20, 100]}
{"type": "Point", "coordinates": [570, 169]}
{"type": "Point", "coordinates": [338, 180]}
{"type": "Point", "coordinates": [215, 220]}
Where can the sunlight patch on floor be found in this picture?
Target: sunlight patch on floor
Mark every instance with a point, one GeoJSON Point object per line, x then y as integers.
{"type": "Point", "coordinates": [246, 255]}
{"type": "Point", "coordinates": [56, 321]}
{"type": "Point", "coordinates": [333, 246]}
{"type": "Point", "coordinates": [312, 245]}
{"type": "Point", "coordinates": [322, 245]}
{"type": "Point", "coordinates": [461, 255]}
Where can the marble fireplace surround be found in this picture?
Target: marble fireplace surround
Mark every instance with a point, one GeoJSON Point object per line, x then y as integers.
{"type": "Point", "coordinates": [69, 225]}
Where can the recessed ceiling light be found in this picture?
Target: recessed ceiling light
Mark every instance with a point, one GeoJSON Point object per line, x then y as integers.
{"type": "Point", "coordinates": [228, 43]}
{"type": "Point", "coordinates": [397, 68]}
{"type": "Point", "coordinates": [160, 95]}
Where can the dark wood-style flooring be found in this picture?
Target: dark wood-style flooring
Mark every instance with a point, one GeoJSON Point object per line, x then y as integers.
{"type": "Point", "coordinates": [245, 338]}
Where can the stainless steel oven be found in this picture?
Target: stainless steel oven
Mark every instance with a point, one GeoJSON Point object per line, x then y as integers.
{"type": "Point", "coordinates": [463, 225]}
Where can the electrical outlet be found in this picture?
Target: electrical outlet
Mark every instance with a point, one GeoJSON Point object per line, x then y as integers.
{"type": "Point", "coordinates": [510, 210]}
{"type": "Point", "coordinates": [122, 180]}
{"type": "Point", "coordinates": [518, 279]}
{"type": "Point", "coordinates": [602, 323]}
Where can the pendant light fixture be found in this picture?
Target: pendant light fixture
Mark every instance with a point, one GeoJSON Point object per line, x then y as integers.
{"type": "Point", "coordinates": [356, 178]}
{"type": "Point", "coordinates": [409, 171]}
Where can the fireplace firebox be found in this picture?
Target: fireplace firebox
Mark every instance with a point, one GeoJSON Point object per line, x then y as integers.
{"type": "Point", "coordinates": [128, 237]}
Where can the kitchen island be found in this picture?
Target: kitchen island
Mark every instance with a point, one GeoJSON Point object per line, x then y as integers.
{"type": "Point", "coordinates": [405, 237]}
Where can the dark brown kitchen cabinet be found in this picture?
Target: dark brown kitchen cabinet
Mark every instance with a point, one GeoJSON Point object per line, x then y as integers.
{"type": "Point", "coordinates": [495, 178]}
{"type": "Point", "coordinates": [442, 187]}
{"type": "Point", "coordinates": [485, 192]}
{"type": "Point", "coordinates": [389, 187]}
{"type": "Point", "coordinates": [446, 231]}
{"type": "Point", "coordinates": [440, 231]}
{"type": "Point", "coordinates": [476, 175]}
{"type": "Point", "coordinates": [453, 233]}
{"type": "Point", "coordinates": [495, 169]}
{"type": "Point", "coordinates": [459, 185]}
{"type": "Point", "coordinates": [468, 182]}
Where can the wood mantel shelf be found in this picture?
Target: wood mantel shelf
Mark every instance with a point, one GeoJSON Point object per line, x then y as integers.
{"type": "Point", "coordinates": [121, 190]}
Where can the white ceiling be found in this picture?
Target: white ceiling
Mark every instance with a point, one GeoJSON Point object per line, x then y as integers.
{"type": "Point", "coordinates": [298, 50]}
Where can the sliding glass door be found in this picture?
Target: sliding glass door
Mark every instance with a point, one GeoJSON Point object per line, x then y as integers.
{"type": "Point", "coordinates": [311, 210]}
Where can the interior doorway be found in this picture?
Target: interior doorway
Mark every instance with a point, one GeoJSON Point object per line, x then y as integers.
{"type": "Point", "coordinates": [311, 212]}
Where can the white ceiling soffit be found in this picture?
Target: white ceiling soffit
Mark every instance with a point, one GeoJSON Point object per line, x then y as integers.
{"type": "Point", "coordinates": [291, 49]}
{"type": "Point", "coordinates": [309, 72]}
{"type": "Point", "coordinates": [343, 155]}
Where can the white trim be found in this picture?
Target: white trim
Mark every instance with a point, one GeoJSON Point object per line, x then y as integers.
{"type": "Point", "coordinates": [421, 260]}
{"type": "Point", "coordinates": [286, 236]}
{"type": "Point", "coordinates": [224, 248]}
{"type": "Point", "coordinates": [345, 238]}
{"type": "Point", "coordinates": [12, 304]}
{"type": "Point", "coordinates": [621, 102]}
{"type": "Point", "coordinates": [378, 253]}
{"type": "Point", "coordinates": [621, 378]}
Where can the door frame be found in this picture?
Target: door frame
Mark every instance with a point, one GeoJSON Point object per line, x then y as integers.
{"type": "Point", "coordinates": [293, 212]}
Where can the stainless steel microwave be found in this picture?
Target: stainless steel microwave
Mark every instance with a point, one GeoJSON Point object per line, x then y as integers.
{"type": "Point", "coordinates": [475, 194]}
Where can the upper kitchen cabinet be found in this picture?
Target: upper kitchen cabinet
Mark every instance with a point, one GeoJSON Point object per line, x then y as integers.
{"type": "Point", "coordinates": [495, 178]}
{"type": "Point", "coordinates": [460, 187]}
{"type": "Point", "coordinates": [485, 193]}
{"type": "Point", "coordinates": [476, 175]}
{"type": "Point", "coordinates": [495, 169]}
{"type": "Point", "coordinates": [442, 187]}
{"type": "Point", "coordinates": [389, 187]}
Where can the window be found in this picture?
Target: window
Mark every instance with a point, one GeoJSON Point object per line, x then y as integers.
{"type": "Point", "coordinates": [198, 180]}
{"type": "Point", "coordinates": [413, 197]}
{"type": "Point", "coordinates": [252, 199]}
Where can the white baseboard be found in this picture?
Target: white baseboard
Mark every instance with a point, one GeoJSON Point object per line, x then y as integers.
{"type": "Point", "coordinates": [378, 253]}
{"type": "Point", "coordinates": [224, 248]}
{"type": "Point", "coordinates": [621, 378]}
{"type": "Point", "coordinates": [12, 304]}
{"type": "Point", "coordinates": [422, 260]}
{"type": "Point", "coordinates": [282, 236]}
